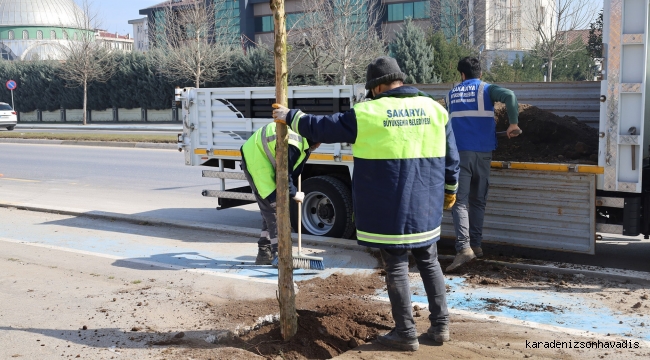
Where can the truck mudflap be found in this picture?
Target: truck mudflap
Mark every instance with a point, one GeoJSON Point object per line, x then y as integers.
{"type": "Point", "coordinates": [551, 209]}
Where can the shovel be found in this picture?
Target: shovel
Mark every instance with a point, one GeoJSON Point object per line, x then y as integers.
{"type": "Point", "coordinates": [505, 133]}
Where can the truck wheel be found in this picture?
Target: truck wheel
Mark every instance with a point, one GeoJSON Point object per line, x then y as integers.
{"type": "Point", "coordinates": [327, 208]}
{"type": "Point", "coordinates": [11, 127]}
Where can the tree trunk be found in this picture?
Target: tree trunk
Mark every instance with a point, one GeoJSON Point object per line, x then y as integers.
{"type": "Point", "coordinates": [550, 70]}
{"type": "Point", "coordinates": [85, 114]}
{"type": "Point", "coordinates": [287, 297]}
{"type": "Point", "coordinates": [345, 67]}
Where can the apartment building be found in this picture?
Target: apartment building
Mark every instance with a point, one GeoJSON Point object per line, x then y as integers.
{"type": "Point", "coordinates": [140, 34]}
{"type": "Point", "coordinates": [493, 24]}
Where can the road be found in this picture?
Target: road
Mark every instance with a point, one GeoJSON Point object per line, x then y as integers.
{"type": "Point", "coordinates": [153, 183]}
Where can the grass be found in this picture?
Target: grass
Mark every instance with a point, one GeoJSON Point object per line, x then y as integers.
{"type": "Point", "coordinates": [136, 282]}
{"type": "Point", "coordinates": [162, 139]}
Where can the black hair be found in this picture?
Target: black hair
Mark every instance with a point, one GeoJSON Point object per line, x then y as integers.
{"type": "Point", "coordinates": [470, 66]}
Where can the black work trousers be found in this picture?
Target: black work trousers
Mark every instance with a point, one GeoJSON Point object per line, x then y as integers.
{"type": "Point", "coordinates": [397, 280]}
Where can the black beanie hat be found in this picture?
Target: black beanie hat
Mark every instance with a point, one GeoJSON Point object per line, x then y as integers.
{"type": "Point", "coordinates": [383, 70]}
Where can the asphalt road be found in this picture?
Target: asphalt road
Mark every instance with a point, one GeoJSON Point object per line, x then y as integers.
{"type": "Point", "coordinates": [153, 183]}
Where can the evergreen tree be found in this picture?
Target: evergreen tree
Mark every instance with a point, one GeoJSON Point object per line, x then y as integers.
{"type": "Point", "coordinates": [532, 70]}
{"type": "Point", "coordinates": [595, 43]}
{"type": "Point", "coordinates": [576, 67]}
{"type": "Point", "coordinates": [500, 71]}
{"type": "Point", "coordinates": [256, 67]}
{"type": "Point", "coordinates": [446, 55]}
{"type": "Point", "coordinates": [414, 55]}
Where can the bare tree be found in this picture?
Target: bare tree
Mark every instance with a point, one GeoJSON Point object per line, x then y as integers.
{"type": "Point", "coordinates": [552, 22]}
{"type": "Point", "coordinates": [307, 40]}
{"type": "Point", "coordinates": [341, 36]}
{"type": "Point", "coordinates": [192, 41]}
{"type": "Point", "coordinates": [85, 59]}
{"type": "Point", "coordinates": [474, 23]}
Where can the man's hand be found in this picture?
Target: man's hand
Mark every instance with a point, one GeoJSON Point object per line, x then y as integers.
{"type": "Point", "coordinates": [450, 200]}
{"type": "Point", "coordinates": [513, 131]}
{"type": "Point", "coordinates": [280, 114]}
{"type": "Point", "coordinates": [300, 196]}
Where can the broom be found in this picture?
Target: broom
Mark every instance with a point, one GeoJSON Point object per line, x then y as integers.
{"type": "Point", "coordinates": [301, 261]}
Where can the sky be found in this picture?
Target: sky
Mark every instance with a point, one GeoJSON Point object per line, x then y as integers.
{"type": "Point", "coordinates": [115, 14]}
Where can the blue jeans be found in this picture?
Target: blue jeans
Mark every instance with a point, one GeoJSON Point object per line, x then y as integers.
{"type": "Point", "coordinates": [469, 210]}
{"type": "Point", "coordinates": [399, 292]}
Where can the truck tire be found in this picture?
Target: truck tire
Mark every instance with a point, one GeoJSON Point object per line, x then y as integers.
{"type": "Point", "coordinates": [327, 208]}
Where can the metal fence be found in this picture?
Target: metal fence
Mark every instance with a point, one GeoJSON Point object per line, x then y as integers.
{"type": "Point", "coordinates": [578, 99]}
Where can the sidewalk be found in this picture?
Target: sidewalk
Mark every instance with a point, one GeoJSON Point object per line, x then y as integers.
{"type": "Point", "coordinates": [63, 272]}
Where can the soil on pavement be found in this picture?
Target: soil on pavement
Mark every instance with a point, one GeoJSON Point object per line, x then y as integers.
{"type": "Point", "coordinates": [65, 305]}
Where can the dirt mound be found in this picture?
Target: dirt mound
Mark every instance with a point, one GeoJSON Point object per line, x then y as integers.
{"type": "Point", "coordinates": [332, 319]}
{"type": "Point", "coordinates": [546, 137]}
{"type": "Point", "coordinates": [323, 333]}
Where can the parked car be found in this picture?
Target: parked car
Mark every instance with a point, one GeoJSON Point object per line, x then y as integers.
{"type": "Point", "coordinates": [8, 117]}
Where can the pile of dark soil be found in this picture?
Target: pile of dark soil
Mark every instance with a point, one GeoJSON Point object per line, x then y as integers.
{"type": "Point", "coordinates": [332, 319]}
{"type": "Point", "coordinates": [335, 315]}
{"type": "Point", "coordinates": [546, 137]}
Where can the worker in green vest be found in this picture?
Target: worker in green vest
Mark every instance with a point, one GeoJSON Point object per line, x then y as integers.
{"type": "Point", "coordinates": [405, 173]}
{"type": "Point", "coordinates": [258, 164]}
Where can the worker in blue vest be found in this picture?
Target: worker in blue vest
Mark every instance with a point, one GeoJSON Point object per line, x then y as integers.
{"type": "Point", "coordinates": [471, 109]}
{"type": "Point", "coordinates": [258, 164]}
{"type": "Point", "coordinates": [405, 173]}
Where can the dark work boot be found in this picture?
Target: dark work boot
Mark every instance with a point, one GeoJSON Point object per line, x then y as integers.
{"type": "Point", "coordinates": [264, 255]}
{"type": "Point", "coordinates": [439, 333]}
{"type": "Point", "coordinates": [395, 341]}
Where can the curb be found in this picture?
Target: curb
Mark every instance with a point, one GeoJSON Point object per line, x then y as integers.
{"type": "Point", "coordinates": [631, 276]}
{"type": "Point", "coordinates": [161, 126]}
{"type": "Point", "coordinates": [145, 220]}
{"type": "Point", "coordinates": [137, 145]}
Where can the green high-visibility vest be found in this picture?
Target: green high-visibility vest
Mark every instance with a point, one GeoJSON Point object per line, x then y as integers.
{"type": "Point", "coordinates": [400, 128]}
{"type": "Point", "coordinates": [392, 128]}
{"type": "Point", "coordinates": [259, 154]}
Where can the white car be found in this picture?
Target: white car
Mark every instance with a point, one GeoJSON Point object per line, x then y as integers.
{"type": "Point", "coordinates": [8, 116]}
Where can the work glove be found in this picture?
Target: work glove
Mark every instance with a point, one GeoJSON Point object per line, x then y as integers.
{"type": "Point", "coordinates": [280, 114]}
{"type": "Point", "coordinates": [300, 196]}
{"type": "Point", "coordinates": [450, 200]}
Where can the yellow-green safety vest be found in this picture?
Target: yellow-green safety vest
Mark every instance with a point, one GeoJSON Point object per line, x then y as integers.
{"type": "Point", "coordinates": [400, 128]}
{"type": "Point", "coordinates": [259, 154]}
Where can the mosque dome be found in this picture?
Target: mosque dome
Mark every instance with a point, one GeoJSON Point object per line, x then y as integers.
{"type": "Point", "coordinates": [36, 29]}
{"type": "Point", "coordinates": [57, 13]}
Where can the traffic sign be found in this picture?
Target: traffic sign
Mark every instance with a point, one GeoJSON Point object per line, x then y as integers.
{"type": "Point", "coordinates": [12, 85]}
